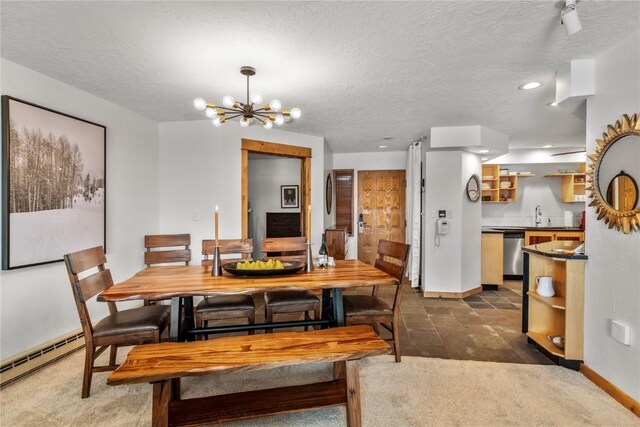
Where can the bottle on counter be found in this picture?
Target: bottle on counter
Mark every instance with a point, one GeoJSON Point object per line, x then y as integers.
{"type": "Point", "coordinates": [323, 250]}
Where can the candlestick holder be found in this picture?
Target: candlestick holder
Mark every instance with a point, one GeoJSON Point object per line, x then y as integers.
{"type": "Point", "coordinates": [216, 265]}
{"type": "Point", "coordinates": [309, 266]}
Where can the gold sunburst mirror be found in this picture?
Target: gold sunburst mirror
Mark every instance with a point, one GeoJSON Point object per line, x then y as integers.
{"type": "Point", "coordinates": [613, 173]}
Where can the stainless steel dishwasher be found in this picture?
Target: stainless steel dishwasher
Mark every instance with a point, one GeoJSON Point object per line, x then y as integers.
{"type": "Point", "coordinates": [512, 258]}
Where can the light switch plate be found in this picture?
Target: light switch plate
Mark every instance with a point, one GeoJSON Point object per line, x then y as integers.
{"type": "Point", "coordinates": [620, 332]}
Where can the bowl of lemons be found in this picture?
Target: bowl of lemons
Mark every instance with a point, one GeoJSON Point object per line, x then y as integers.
{"type": "Point", "coordinates": [272, 267]}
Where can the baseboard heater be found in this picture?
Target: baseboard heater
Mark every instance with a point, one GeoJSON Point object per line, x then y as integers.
{"type": "Point", "coordinates": [36, 358]}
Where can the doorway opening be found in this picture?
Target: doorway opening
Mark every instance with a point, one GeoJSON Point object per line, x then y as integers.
{"type": "Point", "coordinates": [289, 198]}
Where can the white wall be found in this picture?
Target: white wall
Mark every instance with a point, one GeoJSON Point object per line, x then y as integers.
{"type": "Point", "coordinates": [200, 168]}
{"type": "Point", "coordinates": [265, 178]}
{"type": "Point", "coordinates": [454, 266]}
{"type": "Point", "coordinates": [36, 302]}
{"type": "Point", "coordinates": [383, 160]}
{"type": "Point", "coordinates": [533, 191]}
{"type": "Point", "coordinates": [612, 284]}
{"type": "Point", "coordinates": [471, 213]}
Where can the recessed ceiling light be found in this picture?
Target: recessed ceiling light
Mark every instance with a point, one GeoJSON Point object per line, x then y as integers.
{"type": "Point", "coordinates": [547, 146]}
{"type": "Point", "coordinates": [530, 85]}
{"type": "Point", "coordinates": [552, 104]}
{"type": "Point", "coordinates": [483, 151]}
{"type": "Point", "coordinates": [484, 159]}
{"type": "Point", "coordinates": [383, 146]}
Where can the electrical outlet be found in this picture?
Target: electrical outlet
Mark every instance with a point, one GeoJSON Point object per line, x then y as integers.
{"type": "Point", "coordinates": [434, 214]}
{"type": "Point", "coordinates": [195, 216]}
{"type": "Point", "coordinates": [442, 213]}
{"type": "Point", "coordinates": [449, 213]}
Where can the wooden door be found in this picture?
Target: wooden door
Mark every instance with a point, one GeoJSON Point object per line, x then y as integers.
{"type": "Point", "coordinates": [381, 201]}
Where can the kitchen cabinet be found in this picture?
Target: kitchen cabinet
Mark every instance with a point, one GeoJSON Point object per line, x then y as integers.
{"type": "Point", "coordinates": [536, 237]}
{"type": "Point", "coordinates": [559, 315]}
{"type": "Point", "coordinates": [573, 185]}
{"type": "Point", "coordinates": [491, 268]}
{"type": "Point", "coordinates": [498, 188]}
{"type": "Point", "coordinates": [336, 240]}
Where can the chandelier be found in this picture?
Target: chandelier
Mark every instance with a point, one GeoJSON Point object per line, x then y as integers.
{"type": "Point", "coordinates": [252, 110]}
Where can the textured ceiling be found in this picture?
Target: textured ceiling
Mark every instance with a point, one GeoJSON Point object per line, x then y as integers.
{"type": "Point", "coordinates": [358, 70]}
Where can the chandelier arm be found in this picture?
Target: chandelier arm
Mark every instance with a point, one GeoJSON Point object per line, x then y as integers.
{"type": "Point", "coordinates": [261, 114]}
{"type": "Point", "coordinates": [228, 109]}
{"type": "Point", "coordinates": [233, 117]}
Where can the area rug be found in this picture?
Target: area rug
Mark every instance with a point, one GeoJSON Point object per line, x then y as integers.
{"type": "Point", "coordinates": [417, 392]}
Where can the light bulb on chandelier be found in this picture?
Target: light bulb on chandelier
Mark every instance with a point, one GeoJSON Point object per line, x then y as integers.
{"type": "Point", "coordinates": [249, 111]}
{"type": "Point", "coordinates": [211, 112]}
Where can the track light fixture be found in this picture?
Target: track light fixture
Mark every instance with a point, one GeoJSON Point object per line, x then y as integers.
{"type": "Point", "coordinates": [569, 17]}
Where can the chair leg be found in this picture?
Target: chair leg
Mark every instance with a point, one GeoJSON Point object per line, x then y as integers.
{"type": "Point", "coordinates": [316, 314]}
{"type": "Point", "coordinates": [88, 370]}
{"type": "Point", "coordinates": [268, 314]}
{"type": "Point", "coordinates": [396, 341]}
{"type": "Point", "coordinates": [113, 353]}
{"type": "Point", "coordinates": [306, 317]}
{"type": "Point", "coordinates": [252, 321]}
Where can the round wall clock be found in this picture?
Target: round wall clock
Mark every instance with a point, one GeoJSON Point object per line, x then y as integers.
{"type": "Point", "coordinates": [329, 194]}
{"type": "Point", "coordinates": [473, 188]}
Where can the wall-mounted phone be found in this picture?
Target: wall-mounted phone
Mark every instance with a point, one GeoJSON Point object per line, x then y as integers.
{"type": "Point", "coordinates": [442, 226]}
{"type": "Point", "coordinates": [442, 229]}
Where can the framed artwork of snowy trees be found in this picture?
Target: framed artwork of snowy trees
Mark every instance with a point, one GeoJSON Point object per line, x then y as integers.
{"type": "Point", "coordinates": [53, 184]}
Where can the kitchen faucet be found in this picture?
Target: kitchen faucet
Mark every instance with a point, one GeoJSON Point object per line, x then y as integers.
{"type": "Point", "coordinates": [538, 216]}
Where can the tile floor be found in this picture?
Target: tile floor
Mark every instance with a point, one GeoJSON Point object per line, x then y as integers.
{"type": "Point", "coordinates": [485, 326]}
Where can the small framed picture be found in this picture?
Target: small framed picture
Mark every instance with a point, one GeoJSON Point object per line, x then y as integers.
{"type": "Point", "coordinates": [289, 197]}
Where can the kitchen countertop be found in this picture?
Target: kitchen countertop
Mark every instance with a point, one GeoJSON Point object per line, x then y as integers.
{"type": "Point", "coordinates": [554, 250]}
{"type": "Point", "coordinates": [506, 229]}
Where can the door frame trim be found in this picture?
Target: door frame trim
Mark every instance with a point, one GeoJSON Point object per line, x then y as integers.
{"type": "Point", "coordinates": [281, 150]}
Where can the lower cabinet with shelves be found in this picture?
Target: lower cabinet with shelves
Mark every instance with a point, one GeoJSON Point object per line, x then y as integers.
{"type": "Point", "coordinates": [562, 314]}
{"type": "Point", "coordinates": [536, 237]}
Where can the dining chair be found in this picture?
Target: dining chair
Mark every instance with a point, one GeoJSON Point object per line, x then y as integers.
{"type": "Point", "coordinates": [276, 302]}
{"type": "Point", "coordinates": [158, 252]}
{"type": "Point", "coordinates": [222, 307]}
{"type": "Point", "coordinates": [370, 309]}
{"type": "Point", "coordinates": [166, 249]}
{"type": "Point", "coordinates": [120, 328]}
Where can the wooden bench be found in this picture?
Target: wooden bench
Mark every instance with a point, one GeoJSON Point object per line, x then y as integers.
{"type": "Point", "coordinates": [165, 363]}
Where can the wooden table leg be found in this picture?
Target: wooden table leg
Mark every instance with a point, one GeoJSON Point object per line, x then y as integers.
{"type": "Point", "coordinates": [161, 399]}
{"type": "Point", "coordinates": [174, 327]}
{"type": "Point", "coordinates": [339, 370]}
{"type": "Point", "coordinates": [338, 309]}
{"type": "Point", "coordinates": [354, 418]}
{"type": "Point", "coordinates": [189, 320]}
{"type": "Point", "coordinates": [326, 306]}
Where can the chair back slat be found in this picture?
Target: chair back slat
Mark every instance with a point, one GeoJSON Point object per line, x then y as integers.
{"type": "Point", "coordinates": [241, 247]}
{"type": "Point", "coordinates": [228, 246]}
{"type": "Point", "coordinates": [161, 257]}
{"type": "Point", "coordinates": [166, 240]}
{"type": "Point", "coordinates": [387, 248]}
{"type": "Point", "coordinates": [284, 244]}
{"type": "Point", "coordinates": [86, 259]}
{"type": "Point", "coordinates": [92, 285]}
{"type": "Point", "coordinates": [391, 269]}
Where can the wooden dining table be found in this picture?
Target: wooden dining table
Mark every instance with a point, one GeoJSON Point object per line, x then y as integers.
{"type": "Point", "coordinates": [182, 283]}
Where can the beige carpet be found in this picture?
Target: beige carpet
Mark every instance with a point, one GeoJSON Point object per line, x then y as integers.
{"type": "Point", "coordinates": [417, 392]}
